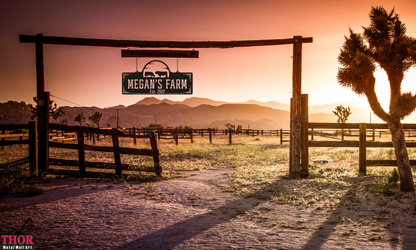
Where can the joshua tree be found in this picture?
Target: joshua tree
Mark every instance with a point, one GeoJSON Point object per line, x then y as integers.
{"type": "Point", "coordinates": [80, 118]}
{"type": "Point", "coordinates": [342, 113]}
{"type": "Point", "coordinates": [95, 118]}
{"type": "Point", "coordinates": [54, 111]}
{"type": "Point", "coordinates": [229, 126]}
{"type": "Point", "coordinates": [384, 44]}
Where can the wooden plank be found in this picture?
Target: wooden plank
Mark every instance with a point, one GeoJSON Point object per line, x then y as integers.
{"type": "Point", "coordinates": [156, 44]}
{"type": "Point", "coordinates": [135, 151]}
{"type": "Point", "coordinates": [53, 144]}
{"type": "Point", "coordinates": [99, 148]}
{"type": "Point", "coordinates": [388, 144]}
{"type": "Point", "coordinates": [329, 144]}
{"type": "Point", "coordinates": [13, 142]}
{"type": "Point", "coordinates": [316, 125]}
{"type": "Point", "coordinates": [386, 163]}
{"type": "Point", "coordinates": [160, 53]}
{"type": "Point", "coordinates": [14, 126]}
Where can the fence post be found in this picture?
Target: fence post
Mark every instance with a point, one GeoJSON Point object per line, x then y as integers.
{"type": "Point", "coordinates": [117, 159]}
{"type": "Point", "coordinates": [192, 135]}
{"type": "Point", "coordinates": [176, 136]}
{"type": "Point", "coordinates": [33, 148]}
{"type": "Point", "coordinates": [304, 165]}
{"type": "Point", "coordinates": [281, 136]}
{"type": "Point", "coordinates": [230, 136]}
{"type": "Point", "coordinates": [311, 134]}
{"type": "Point", "coordinates": [3, 139]}
{"type": "Point", "coordinates": [155, 152]}
{"type": "Point", "coordinates": [134, 135]}
{"type": "Point", "coordinates": [210, 135]}
{"type": "Point", "coordinates": [81, 151]}
{"type": "Point", "coordinates": [362, 149]}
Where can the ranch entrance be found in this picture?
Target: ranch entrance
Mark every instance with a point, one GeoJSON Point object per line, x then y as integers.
{"type": "Point", "coordinates": [298, 163]}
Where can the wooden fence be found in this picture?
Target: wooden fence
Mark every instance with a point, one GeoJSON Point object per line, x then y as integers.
{"type": "Point", "coordinates": [29, 138]}
{"type": "Point", "coordinates": [115, 148]}
{"type": "Point", "coordinates": [189, 134]}
{"type": "Point", "coordinates": [364, 131]}
{"type": "Point", "coordinates": [60, 132]}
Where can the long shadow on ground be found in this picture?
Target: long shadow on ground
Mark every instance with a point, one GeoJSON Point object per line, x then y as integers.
{"type": "Point", "coordinates": [178, 233]}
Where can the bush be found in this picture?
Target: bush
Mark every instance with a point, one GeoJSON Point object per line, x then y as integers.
{"type": "Point", "coordinates": [393, 177]}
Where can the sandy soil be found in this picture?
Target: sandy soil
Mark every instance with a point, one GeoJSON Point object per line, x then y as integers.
{"type": "Point", "coordinates": [192, 213]}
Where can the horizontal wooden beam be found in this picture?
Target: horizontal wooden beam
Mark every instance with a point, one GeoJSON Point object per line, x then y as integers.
{"type": "Point", "coordinates": [386, 163]}
{"type": "Point", "coordinates": [157, 44]}
{"type": "Point", "coordinates": [160, 53]}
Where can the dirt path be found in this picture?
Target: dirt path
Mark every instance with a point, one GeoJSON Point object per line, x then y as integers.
{"type": "Point", "coordinates": [191, 213]}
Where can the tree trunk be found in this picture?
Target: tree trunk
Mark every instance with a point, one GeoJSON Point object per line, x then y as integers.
{"type": "Point", "coordinates": [403, 163]}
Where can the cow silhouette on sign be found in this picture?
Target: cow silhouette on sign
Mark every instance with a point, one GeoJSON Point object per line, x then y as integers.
{"type": "Point", "coordinates": [162, 74]}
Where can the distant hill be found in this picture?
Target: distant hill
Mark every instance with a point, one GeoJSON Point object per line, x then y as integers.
{"type": "Point", "coordinates": [195, 112]}
{"type": "Point", "coordinates": [270, 104]}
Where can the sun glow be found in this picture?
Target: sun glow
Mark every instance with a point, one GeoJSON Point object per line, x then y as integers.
{"type": "Point", "coordinates": [382, 88]}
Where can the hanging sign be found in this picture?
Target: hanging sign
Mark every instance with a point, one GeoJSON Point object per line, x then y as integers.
{"type": "Point", "coordinates": [156, 78]}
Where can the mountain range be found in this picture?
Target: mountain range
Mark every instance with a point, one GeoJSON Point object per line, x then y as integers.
{"type": "Point", "coordinates": [194, 112]}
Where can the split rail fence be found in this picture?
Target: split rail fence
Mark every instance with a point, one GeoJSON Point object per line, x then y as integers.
{"type": "Point", "coordinates": [81, 147]}
{"type": "Point", "coordinates": [189, 134]}
{"type": "Point", "coordinates": [362, 131]}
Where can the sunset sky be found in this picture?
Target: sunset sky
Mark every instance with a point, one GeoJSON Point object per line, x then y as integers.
{"type": "Point", "coordinates": [91, 76]}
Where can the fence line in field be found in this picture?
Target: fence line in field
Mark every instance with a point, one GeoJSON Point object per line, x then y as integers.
{"type": "Point", "coordinates": [362, 142]}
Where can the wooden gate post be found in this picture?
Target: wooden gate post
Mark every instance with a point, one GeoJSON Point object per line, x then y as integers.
{"type": "Point", "coordinates": [362, 150]}
{"type": "Point", "coordinates": [304, 138]}
{"type": "Point", "coordinates": [295, 128]}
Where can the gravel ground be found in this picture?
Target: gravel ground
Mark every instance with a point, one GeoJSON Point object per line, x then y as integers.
{"type": "Point", "coordinates": [192, 213]}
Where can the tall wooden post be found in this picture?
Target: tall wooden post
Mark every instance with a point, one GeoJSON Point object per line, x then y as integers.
{"type": "Point", "coordinates": [41, 106]}
{"type": "Point", "coordinates": [296, 111]}
{"type": "Point", "coordinates": [304, 138]}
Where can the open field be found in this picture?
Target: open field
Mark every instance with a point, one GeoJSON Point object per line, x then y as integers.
{"type": "Point", "coordinates": [228, 197]}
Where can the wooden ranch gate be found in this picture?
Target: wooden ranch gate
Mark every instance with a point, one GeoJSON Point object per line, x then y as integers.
{"type": "Point", "coordinates": [298, 116]}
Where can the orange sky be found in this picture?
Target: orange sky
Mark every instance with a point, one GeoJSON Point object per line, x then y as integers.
{"type": "Point", "coordinates": [92, 76]}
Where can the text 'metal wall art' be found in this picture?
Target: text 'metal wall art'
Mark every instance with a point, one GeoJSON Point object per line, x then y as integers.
{"type": "Point", "coordinates": [156, 78]}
